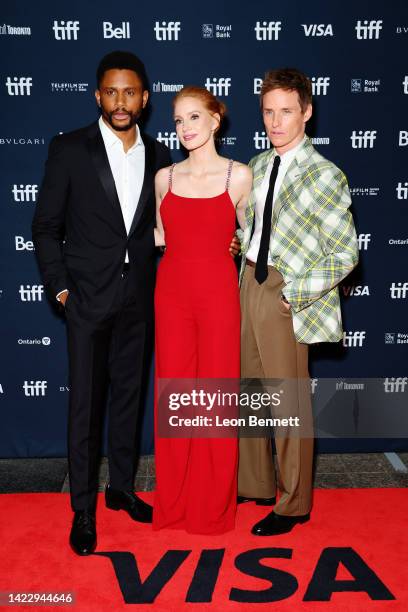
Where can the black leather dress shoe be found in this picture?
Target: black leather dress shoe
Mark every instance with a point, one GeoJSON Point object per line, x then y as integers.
{"type": "Point", "coordinates": [136, 508]}
{"type": "Point", "coordinates": [260, 501]}
{"type": "Point", "coordinates": [275, 524]}
{"type": "Point", "coordinates": [83, 533]}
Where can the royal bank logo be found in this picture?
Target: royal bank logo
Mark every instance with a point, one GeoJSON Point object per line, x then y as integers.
{"type": "Point", "coordinates": [24, 193]}
{"type": "Point", "coordinates": [8, 30]}
{"type": "Point", "coordinates": [398, 291]}
{"type": "Point", "coordinates": [403, 138]}
{"type": "Point", "coordinates": [395, 384]}
{"type": "Point", "coordinates": [122, 31]}
{"type": "Point", "coordinates": [69, 87]}
{"type": "Point", "coordinates": [209, 30]}
{"type": "Point", "coordinates": [267, 30]}
{"type": "Point", "coordinates": [31, 293]}
{"type": "Point", "coordinates": [405, 85]}
{"type": "Point", "coordinates": [355, 290]}
{"type": "Point", "coordinates": [218, 86]}
{"type": "Point", "coordinates": [34, 388]}
{"type": "Point", "coordinates": [365, 86]}
{"type": "Point", "coordinates": [363, 140]}
{"type": "Point", "coordinates": [368, 30]}
{"type": "Point", "coordinates": [354, 338]}
{"type": "Point", "coordinates": [170, 139]}
{"type": "Point", "coordinates": [317, 29]}
{"type": "Point", "coordinates": [167, 30]}
{"type": "Point", "coordinates": [402, 191]}
{"type": "Point", "coordinates": [320, 85]}
{"type": "Point", "coordinates": [66, 30]}
{"type": "Point", "coordinates": [389, 338]}
{"type": "Point", "coordinates": [19, 86]}
{"type": "Point", "coordinates": [160, 87]}
{"type": "Point", "coordinates": [363, 240]}
{"type": "Point", "coordinates": [22, 244]}
{"type": "Point", "coordinates": [364, 191]}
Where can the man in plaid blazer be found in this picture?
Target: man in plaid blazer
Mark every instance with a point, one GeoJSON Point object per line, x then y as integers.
{"type": "Point", "coordinates": [298, 244]}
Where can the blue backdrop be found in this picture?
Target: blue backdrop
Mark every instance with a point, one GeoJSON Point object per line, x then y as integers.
{"type": "Point", "coordinates": [355, 54]}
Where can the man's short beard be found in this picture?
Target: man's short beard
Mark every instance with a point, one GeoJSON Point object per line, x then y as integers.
{"type": "Point", "coordinates": [120, 128]}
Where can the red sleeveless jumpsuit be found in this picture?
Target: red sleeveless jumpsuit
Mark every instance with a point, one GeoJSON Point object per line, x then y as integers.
{"type": "Point", "coordinates": [197, 316]}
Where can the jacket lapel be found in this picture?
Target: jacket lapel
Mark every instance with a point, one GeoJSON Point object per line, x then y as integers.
{"type": "Point", "coordinates": [148, 179]}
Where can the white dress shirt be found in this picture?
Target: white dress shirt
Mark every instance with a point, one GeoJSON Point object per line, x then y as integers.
{"type": "Point", "coordinates": [260, 195]}
{"type": "Point", "coordinates": [127, 169]}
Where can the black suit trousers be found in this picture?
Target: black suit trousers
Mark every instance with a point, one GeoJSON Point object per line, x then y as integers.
{"type": "Point", "coordinates": [106, 355]}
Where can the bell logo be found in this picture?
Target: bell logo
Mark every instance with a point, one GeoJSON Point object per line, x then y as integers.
{"type": "Point", "coordinates": [368, 29]}
{"type": "Point", "coordinates": [405, 85]}
{"type": "Point", "coordinates": [257, 86]}
{"type": "Point", "coordinates": [66, 30]}
{"type": "Point", "coordinates": [403, 138]}
{"type": "Point", "coordinates": [31, 293]}
{"type": "Point", "coordinates": [22, 245]}
{"type": "Point", "coordinates": [261, 141]}
{"type": "Point", "coordinates": [170, 139]}
{"type": "Point", "coordinates": [167, 30]}
{"type": "Point", "coordinates": [24, 193]}
{"type": "Point", "coordinates": [402, 191]}
{"type": "Point", "coordinates": [363, 241]}
{"type": "Point", "coordinates": [34, 388]}
{"type": "Point", "coordinates": [320, 29]}
{"type": "Point", "coordinates": [219, 87]}
{"type": "Point", "coordinates": [354, 338]}
{"type": "Point", "coordinates": [320, 85]}
{"type": "Point", "coordinates": [121, 32]}
{"type": "Point", "coordinates": [399, 291]}
{"type": "Point", "coordinates": [363, 140]}
{"type": "Point", "coordinates": [19, 86]}
{"type": "Point", "coordinates": [267, 30]}
{"type": "Point", "coordinates": [395, 385]}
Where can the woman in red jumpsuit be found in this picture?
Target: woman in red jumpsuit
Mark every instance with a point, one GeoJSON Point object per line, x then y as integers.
{"type": "Point", "coordinates": [197, 312]}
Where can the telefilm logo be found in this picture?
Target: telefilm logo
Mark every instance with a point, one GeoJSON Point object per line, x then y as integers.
{"type": "Point", "coordinates": [402, 191]}
{"type": "Point", "coordinates": [317, 29]}
{"type": "Point", "coordinates": [170, 139]}
{"type": "Point", "coordinates": [45, 341]}
{"type": "Point", "coordinates": [353, 339]}
{"type": "Point", "coordinates": [66, 30]}
{"type": "Point", "coordinates": [122, 31]}
{"type": "Point", "coordinates": [69, 87]}
{"type": "Point", "coordinates": [160, 87]}
{"type": "Point", "coordinates": [364, 191]}
{"type": "Point", "coordinates": [399, 291]}
{"type": "Point", "coordinates": [320, 85]}
{"type": "Point", "coordinates": [167, 30]}
{"type": "Point", "coordinates": [395, 384]}
{"type": "Point", "coordinates": [210, 30]}
{"type": "Point", "coordinates": [31, 293]}
{"type": "Point", "coordinates": [218, 86]}
{"type": "Point", "coordinates": [355, 290]}
{"type": "Point", "coordinates": [24, 193]}
{"type": "Point", "coordinates": [368, 30]}
{"type": "Point", "coordinates": [363, 140]}
{"type": "Point", "coordinates": [8, 30]}
{"type": "Point", "coordinates": [363, 240]}
{"type": "Point", "coordinates": [19, 86]}
{"type": "Point", "coordinates": [405, 85]}
{"type": "Point", "coordinates": [23, 245]}
{"type": "Point", "coordinates": [365, 85]}
{"type": "Point", "coordinates": [35, 388]}
{"type": "Point", "coordinates": [267, 30]}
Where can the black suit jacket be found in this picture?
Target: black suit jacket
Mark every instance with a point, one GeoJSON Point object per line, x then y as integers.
{"type": "Point", "coordinates": [78, 203]}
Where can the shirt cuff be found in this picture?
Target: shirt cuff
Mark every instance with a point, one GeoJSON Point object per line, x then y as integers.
{"type": "Point", "coordinates": [59, 293]}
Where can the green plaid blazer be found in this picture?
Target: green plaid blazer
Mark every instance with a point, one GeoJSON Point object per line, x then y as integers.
{"type": "Point", "coordinates": [313, 240]}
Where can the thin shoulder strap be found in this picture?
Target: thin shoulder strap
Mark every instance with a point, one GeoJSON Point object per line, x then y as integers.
{"type": "Point", "coordinates": [227, 184]}
{"type": "Point", "coordinates": [171, 176]}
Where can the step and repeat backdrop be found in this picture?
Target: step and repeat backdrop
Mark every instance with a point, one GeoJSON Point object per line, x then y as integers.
{"type": "Point", "coordinates": [356, 56]}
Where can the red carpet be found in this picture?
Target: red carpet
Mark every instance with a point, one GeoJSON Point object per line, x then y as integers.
{"type": "Point", "coordinates": [351, 556]}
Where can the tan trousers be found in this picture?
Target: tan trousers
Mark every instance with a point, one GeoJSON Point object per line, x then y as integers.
{"type": "Point", "coordinates": [269, 350]}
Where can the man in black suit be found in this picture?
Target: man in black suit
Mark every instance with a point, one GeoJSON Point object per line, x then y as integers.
{"type": "Point", "coordinates": [93, 235]}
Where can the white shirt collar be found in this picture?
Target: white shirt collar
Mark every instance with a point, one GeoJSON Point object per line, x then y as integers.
{"type": "Point", "coordinates": [289, 156]}
{"type": "Point", "coordinates": [110, 139]}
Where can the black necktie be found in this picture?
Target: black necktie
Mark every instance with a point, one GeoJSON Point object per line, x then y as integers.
{"type": "Point", "coordinates": [261, 268]}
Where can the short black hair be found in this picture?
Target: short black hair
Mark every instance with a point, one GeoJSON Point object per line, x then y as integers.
{"type": "Point", "coordinates": [122, 60]}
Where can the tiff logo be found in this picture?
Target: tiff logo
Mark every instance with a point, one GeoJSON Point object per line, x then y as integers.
{"type": "Point", "coordinates": [320, 85]}
{"type": "Point", "coordinates": [168, 30]}
{"type": "Point", "coordinates": [354, 338]}
{"type": "Point", "coordinates": [395, 385]}
{"type": "Point", "coordinates": [402, 191]}
{"type": "Point", "coordinates": [268, 30]}
{"type": "Point", "coordinates": [398, 291]}
{"type": "Point", "coordinates": [66, 30]}
{"type": "Point", "coordinates": [122, 31]}
{"type": "Point", "coordinates": [170, 139]}
{"type": "Point", "coordinates": [405, 85]}
{"type": "Point", "coordinates": [219, 87]}
{"type": "Point", "coordinates": [317, 29]}
{"type": "Point", "coordinates": [31, 293]}
{"type": "Point", "coordinates": [261, 141]}
{"type": "Point", "coordinates": [19, 86]}
{"type": "Point", "coordinates": [34, 388]}
{"type": "Point", "coordinates": [25, 193]}
{"type": "Point", "coordinates": [363, 241]}
{"type": "Point", "coordinates": [363, 140]}
{"type": "Point", "coordinates": [368, 29]}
